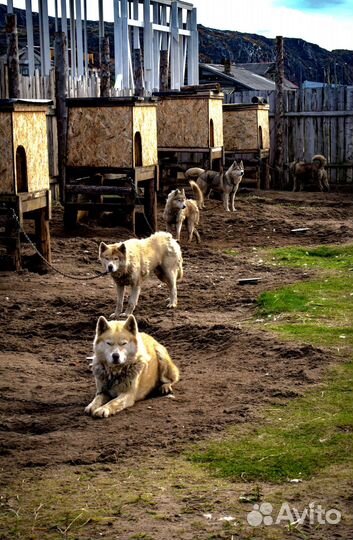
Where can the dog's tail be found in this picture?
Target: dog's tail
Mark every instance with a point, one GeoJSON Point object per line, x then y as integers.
{"type": "Point", "coordinates": [198, 194]}
{"type": "Point", "coordinates": [194, 172]}
{"type": "Point", "coordinates": [319, 160]}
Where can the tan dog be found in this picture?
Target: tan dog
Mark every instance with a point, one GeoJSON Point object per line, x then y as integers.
{"type": "Point", "coordinates": [127, 366]}
{"type": "Point", "coordinates": [304, 173]}
{"type": "Point", "coordinates": [132, 261]}
{"type": "Point", "coordinates": [226, 183]}
{"type": "Point", "coordinates": [179, 209]}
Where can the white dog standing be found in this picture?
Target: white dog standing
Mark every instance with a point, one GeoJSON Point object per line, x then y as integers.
{"type": "Point", "coordinates": [131, 262]}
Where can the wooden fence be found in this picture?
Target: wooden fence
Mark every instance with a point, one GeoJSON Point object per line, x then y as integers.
{"type": "Point", "coordinates": [316, 121]}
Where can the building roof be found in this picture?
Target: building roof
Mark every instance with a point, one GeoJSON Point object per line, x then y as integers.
{"type": "Point", "coordinates": [250, 78]}
{"type": "Point", "coordinates": [260, 68]}
{"type": "Point", "coordinates": [239, 76]}
{"type": "Point", "coordinates": [268, 70]}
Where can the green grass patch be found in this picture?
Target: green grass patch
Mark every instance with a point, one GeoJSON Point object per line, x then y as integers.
{"type": "Point", "coordinates": [323, 257]}
{"type": "Point", "coordinates": [318, 311]}
{"type": "Point", "coordinates": [231, 252]}
{"type": "Point", "coordinates": [311, 433]}
{"type": "Point", "coordinates": [329, 299]}
{"type": "Point", "coordinates": [316, 430]}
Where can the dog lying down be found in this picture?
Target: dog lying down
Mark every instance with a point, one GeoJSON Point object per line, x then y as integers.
{"type": "Point", "coordinates": [127, 365]}
{"type": "Point", "coordinates": [131, 262]}
{"type": "Point", "coordinates": [178, 209]}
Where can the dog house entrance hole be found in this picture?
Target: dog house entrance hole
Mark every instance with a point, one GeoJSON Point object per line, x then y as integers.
{"type": "Point", "coordinates": [211, 134]}
{"type": "Point", "coordinates": [138, 149]}
{"type": "Point", "coordinates": [261, 141]}
{"type": "Point", "coordinates": [21, 170]}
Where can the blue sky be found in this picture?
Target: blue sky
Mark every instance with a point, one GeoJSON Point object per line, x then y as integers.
{"type": "Point", "coordinates": [328, 23]}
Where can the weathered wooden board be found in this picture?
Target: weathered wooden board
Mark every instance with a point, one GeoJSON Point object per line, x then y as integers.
{"type": "Point", "coordinates": [27, 128]}
{"type": "Point", "coordinates": [30, 131]}
{"type": "Point", "coordinates": [216, 115]}
{"type": "Point", "coordinates": [7, 178]}
{"type": "Point", "coordinates": [145, 122]}
{"type": "Point", "coordinates": [184, 122]}
{"type": "Point", "coordinates": [317, 121]}
{"type": "Point", "coordinates": [241, 125]}
{"type": "Point", "coordinates": [104, 136]}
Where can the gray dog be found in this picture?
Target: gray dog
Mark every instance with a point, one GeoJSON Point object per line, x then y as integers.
{"type": "Point", "coordinates": [225, 183]}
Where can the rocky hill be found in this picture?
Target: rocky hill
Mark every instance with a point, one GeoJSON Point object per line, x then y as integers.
{"type": "Point", "coordinates": [303, 60]}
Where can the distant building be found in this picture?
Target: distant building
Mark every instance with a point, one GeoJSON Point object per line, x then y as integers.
{"type": "Point", "coordinates": [316, 84]}
{"type": "Point", "coordinates": [23, 61]}
{"type": "Point", "coordinates": [237, 77]}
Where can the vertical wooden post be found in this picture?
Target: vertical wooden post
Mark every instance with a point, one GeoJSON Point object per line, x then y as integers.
{"type": "Point", "coordinates": [100, 30]}
{"type": "Point", "coordinates": [125, 44]}
{"type": "Point", "coordinates": [150, 201]}
{"type": "Point", "coordinates": [12, 56]}
{"type": "Point", "coordinates": [137, 54]}
{"type": "Point", "coordinates": [42, 233]}
{"type": "Point", "coordinates": [174, 48]}
{"type": "Point", "coordinates": [73, 38]}
{"type": "Point", "coordinates": [164, 55]}
{"type": "Point", "coordinates": [148, 46]}
{"type": "Point", "coordinates": [118, 47]}
{"type": "Point", "coordinates": [61, 110]}
{"type": "Point", "coordinates": [156, 46]}
{"type": "Point", "coordinates": [64, 26]}
{"type": "Point", "coordinates": [279, 115]}
{"type": "Point", "coordinates": [30, 39]}
{"type": "Point", "coordinates": [79, 39]}
{"type": "Point", "coordinates": [105, 69]}
{"type": "Point", "coordinates": [193, 51]}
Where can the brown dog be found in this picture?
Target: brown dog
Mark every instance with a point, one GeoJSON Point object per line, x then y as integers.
{"type": "Point", "coordinates": [179, 209]}
{"type": "Point", "coordinates": [304, 173]}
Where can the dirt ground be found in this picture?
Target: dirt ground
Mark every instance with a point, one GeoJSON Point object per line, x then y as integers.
{"type": "Point", "coordinates": [230, 371]}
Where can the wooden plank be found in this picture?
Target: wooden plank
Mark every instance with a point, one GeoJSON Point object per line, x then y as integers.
{"type": "Point", "coordinates": [125, 45]}
{"type": "Point", "coordinates": [99, 190]}
{"type": "Point", "coordinates": [174, 48]}
{"type": "Point", "coordinates": [148, 46]}
{"type": "Point", "coordinates": [349, 134]}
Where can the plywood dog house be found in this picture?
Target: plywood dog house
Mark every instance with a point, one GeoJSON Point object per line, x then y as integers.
{"type": "Point", "coordinates": [111, 156]}
{"type": "Point", "coordinates": [246, 132]}
{"type": "Point", "coordinates": [24, 181]}
{"type": "Point", "coordinates": [190, 127]}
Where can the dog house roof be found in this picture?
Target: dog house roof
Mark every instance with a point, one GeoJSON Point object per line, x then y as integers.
{"type": "Point", "coordinates": [7, 105]}
{"type": "Point", "coordinates": [123, 101]}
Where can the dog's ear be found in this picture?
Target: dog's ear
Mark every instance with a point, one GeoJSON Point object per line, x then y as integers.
{"type": "Point", "coordinates": [102, 326]}
{"type": "Point", "coordinates": [122, 249]}
{"type": "Point", "coordinates": [102, 247]}
{"type": "Point", "coordinates": [241, 164]}
{"type": "Point", "coordinates": [183, 192]}
{"type": "Point", "coordinates": [131, 325]}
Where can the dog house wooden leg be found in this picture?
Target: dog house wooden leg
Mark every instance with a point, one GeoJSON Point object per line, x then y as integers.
{"type": "Point", "coordinates": [42, 233]}
{"type": "Point", "coordinates": [13, 243]}
{"type": "Point", "coordinates": [150, 203]}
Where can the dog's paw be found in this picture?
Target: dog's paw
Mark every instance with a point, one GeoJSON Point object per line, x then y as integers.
{"type": "Point", "coordinates": [102, 412]}
{"type": "Point", "coordinates": [171, 305]}
{"type": "Point", "coordinates": [88, 409]}
{"type": "Point", "coordinates": [166, 389]}
{"type": "Point", "coordinates": [116, 316]}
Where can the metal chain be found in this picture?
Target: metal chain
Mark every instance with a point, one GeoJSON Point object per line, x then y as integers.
{"type": "Point", "coordinates": [78, 278]}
